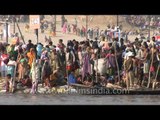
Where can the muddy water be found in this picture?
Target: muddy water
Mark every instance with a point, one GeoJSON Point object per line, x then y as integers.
{"type": "Point", "coordinates": [64, 99]}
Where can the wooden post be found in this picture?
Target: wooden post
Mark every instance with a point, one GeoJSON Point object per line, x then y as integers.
{"type": "Point", "coordinates": [14, 79]}
{"type": "Point", "coordinates": [86, 26]}
{"type": "Point", "coordinates": [62, 21]}
{"type": "Point", "coordinates": [36, 32]}
{"type": "Point", "coordinates": [117, 62]}
{"type": "Point", "coordinates": [55, 22]}
{"type": "Point", "coordinates": [118, 30]}
{"type": "Point", "coordinates": [6, 31]}
{"type": "Point", "coordinates": [20, 31]}
{"type": "Point", "coordinates": [54, 26]}
{"type": "Point", "coordinates": [117, 20]}
{"type": "Point", "coordinates": [66, 70]}
{"type": "Point", "coordinates": [14, 25]}
{"type": "Point", "coordinates": [97, 67]}
{"type": "Point", "coordinates": [149, 79]}
{"type": "Point", "coordinates": [155, 80]}
{"type": "Point", "coordinates": [149, 33]}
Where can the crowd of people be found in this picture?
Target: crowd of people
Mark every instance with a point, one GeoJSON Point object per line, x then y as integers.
{"type": "Point", "coordinates": [80, 30]}
{"type": "Point", "coordinates": [10, 18]}
{"type": "Point", "coordinates": [143, 21]}
{"type": "Point", "coordinates": [130, 63]}
{"type": "Point", "coordinates": [91, 33]}
{"type": "Point", "coordinates": [103, 57]}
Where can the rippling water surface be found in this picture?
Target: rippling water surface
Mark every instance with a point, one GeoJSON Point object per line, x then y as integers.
{"type": "Point", "coordinates": [29, 99]}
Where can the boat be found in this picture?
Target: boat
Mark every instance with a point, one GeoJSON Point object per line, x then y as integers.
{"type": "Point", "coordinates": [86, 90]}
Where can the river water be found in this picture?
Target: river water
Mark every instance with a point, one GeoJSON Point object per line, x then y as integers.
{"type": "Point", "coordinates": [65, 99]}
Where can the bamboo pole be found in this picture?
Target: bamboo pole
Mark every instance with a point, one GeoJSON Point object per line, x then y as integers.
{"type": "Point", "coordinates": [117, 20]}
{"type": "Point", "coordinates": [97, 67]}
{"type": "Point", "coordinates": [14, 28]}
{"type": "Point", "coordinates": [36, 32]}
{"type": "Point", "coordinates": [6, 31]}
{"type": "Point", "coordinates": [149, 27]}
{"type": "Point", "coordinates": [117, 62]}
{"type": "Point", "coordinates": [149, 79]}
{"type": "Point", "coordinates": [14, 77]}
{"type": "Point", "coordinates": [155, 80]}
{"type": "Point", "coordinates": [55, 22]}
{"type": "Point", "coordinates": [66, 70]}
{"type": "Point", "coordinates": [86, 26]}
{"type": "Point", "coordinates": [20, 31]}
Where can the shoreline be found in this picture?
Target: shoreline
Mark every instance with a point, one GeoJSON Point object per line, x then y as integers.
{"type": "Point", "coordinates": [64, 90]}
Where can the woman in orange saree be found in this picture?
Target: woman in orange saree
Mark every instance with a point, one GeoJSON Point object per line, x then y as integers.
{"type": "Point", "coordinates": [31, 56]}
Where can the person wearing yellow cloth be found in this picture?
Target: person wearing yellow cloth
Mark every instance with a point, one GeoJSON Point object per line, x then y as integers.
{"type": "Point", "coordinates": [22, 65]}
{"type": "Point", "coordinates": [31, 55]}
